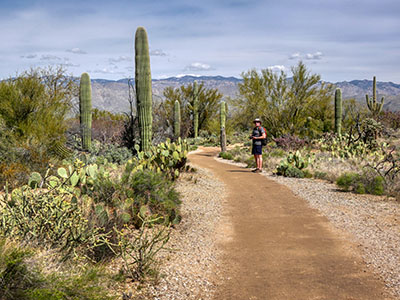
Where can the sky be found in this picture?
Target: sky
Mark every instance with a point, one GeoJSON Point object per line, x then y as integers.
{"type": "Point", "coordinates": [338, 39]}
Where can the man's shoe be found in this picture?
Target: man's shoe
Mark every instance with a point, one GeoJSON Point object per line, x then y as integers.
{"type": "Point", "coordinates": [259, 171]}
{"type": "Point", "coordinates": [255, 170]}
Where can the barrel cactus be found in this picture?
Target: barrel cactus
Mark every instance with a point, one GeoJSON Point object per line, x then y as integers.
{"type": "Point", "coordinates": [338, 111]}
{"type": "Point", "coordinates": [85, 110]}
{"type": "Point", "coordinates": [222, 125]}
{"type": "Point", "coordinates": [177, 119]}
{"type": "Point", "coordinates": [196, 109]}
{"type": "Point", "coordinates": [373, 105]}
{"type": "Point", "coordinates": [143, 88]}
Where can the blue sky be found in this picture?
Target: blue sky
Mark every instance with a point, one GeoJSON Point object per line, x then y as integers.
{"type": "Point", "coordinates": [339, 39]}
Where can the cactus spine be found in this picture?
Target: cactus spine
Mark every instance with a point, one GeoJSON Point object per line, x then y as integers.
{"type": "Point", "coordinates": [196, 109]}
{"type": "Point", "coordinates": [222, 125]}
{"type": "Point", "coordinates": [143, 88]}
{"type": "Point", "coordinates": [338, 111]}
{"type": "Point", "coordinates": [373, 105]}
{"type": "Point", "coordinates": [85, 111]}
{"type": "Point", "coordinates": [177, 119]}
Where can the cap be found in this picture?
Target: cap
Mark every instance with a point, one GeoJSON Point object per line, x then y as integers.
{"type": "Point", "coordinates": [257, 120]}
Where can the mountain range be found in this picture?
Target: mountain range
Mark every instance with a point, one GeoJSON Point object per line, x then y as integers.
{"type": "Point", "coordinates": [113, 95]}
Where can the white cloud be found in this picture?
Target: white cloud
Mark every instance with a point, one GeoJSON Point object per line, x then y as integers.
{"type": "Point", "coordinates": [106, 71]}
{"type": "Point", "coordinates": [157, 52]}
{"type": "Point", "coordinates": [69, 64]}
{"type": "Point", "coordinates": [50, 57]}
{"type": "Point", "coordinates": [29, 56]}
{"type": "Point", "coordinates": [295, 55]}
{"type": "Point", "coordinates": [277, 68]}
{"type": "Point", "coordinates": [197, 66]}
{"type": "Point", "coordinates": [76, 51]}
{"type": "Point", "coordinates": [183, 75]}
{"type": "Point", "coordinates": [314, 56]}
{"type": "Point", "coordinates": [120, 58]}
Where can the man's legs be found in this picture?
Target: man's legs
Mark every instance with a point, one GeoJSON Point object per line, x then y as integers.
{"type": "Point", "coordinates": [258, 158]}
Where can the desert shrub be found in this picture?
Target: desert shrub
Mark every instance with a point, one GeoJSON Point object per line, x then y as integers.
{"type": "Point", "coordinates": [276, 152]}
{"type": "Point", "coordinates": [20, 279]}
{"type": "Point", "coordinates": [139, 248]}
{"type": "Point", "coordinates": [320, 175]}
{"type": "Point", "coordinates": [364, 183]}
{"type": "Point", "coordinates": [226, 155]}
{"type": "Point", "coordinates": [284, 105]}
{"type": "Point", "coordinates": [294, 166]}
{"type": "Point", "coordinates": [390, 119]}
{"type": "Point", "coordinates": [290, 171]}
{"type": "Point", "coordinates": [156, 194]}
{"type": "Point", "coordinates": [347, 180]}
{"type": "Point", "coordinates": [290, 142]}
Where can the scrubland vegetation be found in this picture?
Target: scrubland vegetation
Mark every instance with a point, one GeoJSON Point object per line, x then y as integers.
{"type": "Point", "coordinates": [87, 197]}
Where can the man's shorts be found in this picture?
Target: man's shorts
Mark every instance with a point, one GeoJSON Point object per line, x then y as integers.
{"type": "Point", "coordinates": [257, 150]}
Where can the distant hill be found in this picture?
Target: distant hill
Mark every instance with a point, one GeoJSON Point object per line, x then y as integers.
{"type": "Point", "coordinates": [112, 95]}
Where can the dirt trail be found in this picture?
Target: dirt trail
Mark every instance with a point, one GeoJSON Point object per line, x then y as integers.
{"type": "Point", "coordinates": [279, 247]}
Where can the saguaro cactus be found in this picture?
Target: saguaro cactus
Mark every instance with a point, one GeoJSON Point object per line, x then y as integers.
{"type": "Point", "coordinates": [143, 88]}
{"type": "Point", "coordinates": [85, 111]}
{"type": "Point", "coordinates": [195, 109]}
{"type": "Point", "coordinates": [338, 111]}
{"type": "Point", "coordinates": [373, 105]}
{"type": "Point", "coordinates": [177, 119]}
{"type": "Point", "coordinates": [222, 125]}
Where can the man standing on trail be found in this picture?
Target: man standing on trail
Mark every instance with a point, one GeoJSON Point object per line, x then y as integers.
{"type": "Point", "coordinates": [257, 136]}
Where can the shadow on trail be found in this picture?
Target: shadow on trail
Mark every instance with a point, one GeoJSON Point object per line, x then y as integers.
{"type": "Point", "coordinates": [239, 171]}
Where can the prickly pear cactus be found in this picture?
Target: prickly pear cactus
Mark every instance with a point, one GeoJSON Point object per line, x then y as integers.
{"type": "Point", "coordinates": [85, 110]}
{"type": "Point", "coordinates": [177, 119]}
{"type": "Point", "coordinates": [143, 88]}
{"type": "Point", "coordinates": [338, 111]}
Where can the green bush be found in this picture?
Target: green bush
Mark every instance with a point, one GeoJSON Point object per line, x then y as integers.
{"type": "Point", "coordinates": [20, 280]}
{"type": "Point", "coordinates": [290, 171]}
{"type": "Point", "coordinates": [361, 184]}
{"type": "Point", "coordinates": [376, 186]}
{"type": "Point", "coordinates": [347, 180]}
{"type": "Point", "coordinates": [226, 155]}
{"type": "Point", "coordinates": [154, 193]}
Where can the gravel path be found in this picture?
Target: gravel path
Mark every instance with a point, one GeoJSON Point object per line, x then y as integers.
{"type": "Point", "coordinates": [372, 222]}
{"type": "Point", "coordinates": [192, 271]}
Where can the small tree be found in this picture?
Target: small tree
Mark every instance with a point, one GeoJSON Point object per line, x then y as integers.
{"type": "Point", "coordinates": [284, 103]}
{"type": "Point", "coordinates": [208, 107]}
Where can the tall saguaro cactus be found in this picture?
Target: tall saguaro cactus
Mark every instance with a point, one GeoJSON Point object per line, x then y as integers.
{"type": "Point", "coordinates": [85, 110]}
{"type": "Point", "coordinates": [338, 111]}
{"type": "Point", "coordinates": [196, 109]}
{"type": "Point", "coordinates": [222, 125]}
{"type": "Point", "coordinates": [177, 119]}
{"type": "Point", "coordinates": [143, 88]}
{"type": "Point", "coordinates": [373, 105]}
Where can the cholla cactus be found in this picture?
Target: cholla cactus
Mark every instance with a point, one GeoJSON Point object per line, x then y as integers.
{"type": "Point", "coordinates": [373, 105]}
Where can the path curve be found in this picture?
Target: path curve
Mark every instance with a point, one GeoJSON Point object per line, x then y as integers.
{"type": "Point", "coordinates": [280, 248]}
